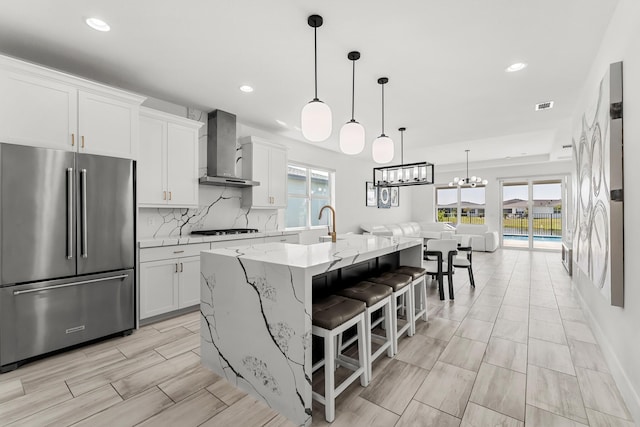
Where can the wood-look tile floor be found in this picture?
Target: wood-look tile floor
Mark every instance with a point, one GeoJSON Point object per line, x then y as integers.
{"type": "Point", "coordinates": [515, 351]}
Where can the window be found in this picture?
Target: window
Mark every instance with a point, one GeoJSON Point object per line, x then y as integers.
{"type": "Point", "coordinates": [460, 205]}
{"type": "Point", "coordinates": [309, 189]}
{"type": "Point", "coordinates": [447, 205]}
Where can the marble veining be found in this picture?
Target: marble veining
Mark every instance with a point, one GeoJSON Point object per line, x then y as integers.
{"type": "Point", "coordinates": [256, 312]}
{"type": "Point", "coordinates": [221, 207]}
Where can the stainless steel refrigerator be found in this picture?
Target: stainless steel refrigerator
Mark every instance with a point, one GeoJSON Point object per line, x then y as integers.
{"type": "Point", "coordinates": [67, 249]}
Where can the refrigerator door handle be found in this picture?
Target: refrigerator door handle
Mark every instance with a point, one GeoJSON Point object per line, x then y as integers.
{"type": "Point", "coordinates": [66, 285]}
{"type": "Point", "coordinates": [83, 174]}
{"type": "Point", "coordinates": [69, 213]}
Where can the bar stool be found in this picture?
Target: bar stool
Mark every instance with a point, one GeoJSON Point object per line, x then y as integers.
{"type": "Point", "coordinates": [376, 297]}
{"type": "Point", "coordinates": [419, 277]}
{"type": "Point", "coordinates": [399, 283]}
{"type": "Point", "coordinates": [332, 316]}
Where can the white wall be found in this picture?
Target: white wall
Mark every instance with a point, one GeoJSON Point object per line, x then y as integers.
{"type": "Point", "coordinates": [424, 197]}
{"type": "Point", "coordinates": [618, 329]}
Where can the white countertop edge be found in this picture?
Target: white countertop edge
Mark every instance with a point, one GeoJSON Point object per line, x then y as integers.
{"type": "Point", "coordinates": [319, 255]}
{"type": "Point", "coordinates": [193, 239]}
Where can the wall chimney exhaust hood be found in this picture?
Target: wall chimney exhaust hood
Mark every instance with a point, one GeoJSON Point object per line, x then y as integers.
{"type": "Point", "coordinates": [221, 152]}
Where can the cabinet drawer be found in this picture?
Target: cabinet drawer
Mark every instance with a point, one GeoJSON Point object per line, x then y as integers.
{"type": "Point", "coordinates": [287, 238]}
{"type": "Point", "coordinates": [168, 252]}
{"type": "Point", "coordinates": [238, 242]}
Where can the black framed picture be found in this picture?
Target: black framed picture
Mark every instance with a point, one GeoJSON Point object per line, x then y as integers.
{"type": "Point", "coordinates": [384, 197]}
{"type": "Point", "coordinates": [395, 197]}
{"type": "Point", "coordinates": [372, 195]}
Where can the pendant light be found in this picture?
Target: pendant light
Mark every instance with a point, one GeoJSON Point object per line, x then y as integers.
{"type": "Point", "coordinates": [315, 119]}
{"type": "Point", "coordinates": [472, 182]}
{"type": "Point", "coordinates": [382, 149]}
{"type": "Point", "coordinates": [352, 138]}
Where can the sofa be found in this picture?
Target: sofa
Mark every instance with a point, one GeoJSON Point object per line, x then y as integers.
{"type": "Point", "coordinates": [478, 235]}
{"type": "Point", "coordinates": [428, 230]}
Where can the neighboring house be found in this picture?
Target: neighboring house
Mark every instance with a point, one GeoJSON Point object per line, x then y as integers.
{"type": "Point", "coordinates": [517, 208]}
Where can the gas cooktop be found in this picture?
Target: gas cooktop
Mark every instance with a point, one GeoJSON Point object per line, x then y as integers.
{"type": "Point", "coordinates": [225, 231]}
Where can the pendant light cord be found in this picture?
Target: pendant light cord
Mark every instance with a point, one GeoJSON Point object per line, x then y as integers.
{"type": "Point", "coordinates": [467, 180]}
{"type": "Point", "coordinates": [353, 91]}
{"type": "Point", "coordinates": [315, 59]}
{"type": "Point", "coordinates": [402, 148]}
{"type": "Point", "coordinates": [382, 108]}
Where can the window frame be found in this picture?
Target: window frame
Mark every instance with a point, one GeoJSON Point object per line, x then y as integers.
{"type": "Point", "coordinates": [308, 196]}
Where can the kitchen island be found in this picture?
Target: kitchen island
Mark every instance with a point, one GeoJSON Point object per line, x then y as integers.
{"type": "Point", "coordinates": [256, 311]}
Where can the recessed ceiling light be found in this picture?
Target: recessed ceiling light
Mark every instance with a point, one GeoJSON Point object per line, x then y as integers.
{"type": "Point", "coordinates": [98, 24]}
{"type": "Point", "coordinates": [516, 67]}
{"type": "Point", "coordinates": [281, 123]}
{"type": "Point", "coordinates": [246, 88]}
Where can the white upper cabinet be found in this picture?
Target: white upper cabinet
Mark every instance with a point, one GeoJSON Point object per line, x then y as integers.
{"type": "Point", "coordinates": [50, 109]}
{"type": "Point", "coordinates": [168, 161]}
{"type": "Point", "coordinates": [107, 126]}
{"type": "Point", "coordinates": [266, 163]}
{"type": "Point", "coordinates": [37, 111]}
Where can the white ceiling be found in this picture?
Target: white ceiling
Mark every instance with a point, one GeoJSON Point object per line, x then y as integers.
{"type": "Point", "coordinates": [445, 61]}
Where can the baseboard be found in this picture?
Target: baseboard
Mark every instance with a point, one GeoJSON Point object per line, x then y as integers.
{"type": "Point", "coordinates": [626, 387]}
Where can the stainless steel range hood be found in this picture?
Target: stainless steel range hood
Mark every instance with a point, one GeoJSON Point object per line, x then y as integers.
{"type": "Point", "coordinates": [221, 152]}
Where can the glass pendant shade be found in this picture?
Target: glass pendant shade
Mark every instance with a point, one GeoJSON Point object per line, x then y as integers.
{"type": "Point", "coordinates": [315, 121]}
{"type": "Point", "coordinates": [352, 138]}
{"type": "Point", "coordinates": [382, 149]}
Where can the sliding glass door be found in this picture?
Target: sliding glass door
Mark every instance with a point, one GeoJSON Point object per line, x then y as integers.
{"type": "Point", "coordinates": [515, 215]}
{"type": "Point", "coordinates": [532, 214]}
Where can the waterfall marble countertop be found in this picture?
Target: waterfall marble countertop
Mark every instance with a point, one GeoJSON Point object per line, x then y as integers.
{"type": "Point", "coordinates": [256, 305]}
{"type": "Point", "coordinates": [195, 238]}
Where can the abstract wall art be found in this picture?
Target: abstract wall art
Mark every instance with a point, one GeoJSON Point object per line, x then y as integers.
{"type": "Point", "coordinates": [598, 189]}
{"type": "Point", "coordinates": [372, 195]}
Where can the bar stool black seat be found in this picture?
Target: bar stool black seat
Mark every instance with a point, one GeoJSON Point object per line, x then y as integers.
{"type": "Point", "coordinates": [330, 317]}
{"type": "Point", "coordinates": [401, 286]}
{"type": "Point", "coordinates": [376, 297]}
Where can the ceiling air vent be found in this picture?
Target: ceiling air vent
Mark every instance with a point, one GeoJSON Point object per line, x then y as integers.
{"type": "Point", "coordinates": [544, 106]}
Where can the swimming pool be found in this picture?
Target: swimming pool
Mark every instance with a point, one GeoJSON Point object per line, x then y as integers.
{"type": "Point", "coordinates": [535, 238]}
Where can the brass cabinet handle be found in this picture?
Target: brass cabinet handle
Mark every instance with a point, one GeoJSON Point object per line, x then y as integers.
{"type": "Point", "coordinates": [73, 139]}
{"type": "Point", "coordinates": [82, 141]}
{"type": "Point", "coordinates": [169, 195]}
{"type": "Point", "coordinates": [181, 267]}
{"type": "Point", "coordinates": [164, 195]}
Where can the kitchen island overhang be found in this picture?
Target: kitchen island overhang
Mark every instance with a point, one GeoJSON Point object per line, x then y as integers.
{"type": "Point", "coordinates": [256, 312]}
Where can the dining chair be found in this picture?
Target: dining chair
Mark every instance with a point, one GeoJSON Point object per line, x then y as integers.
{"type": "Point", "coordinates": [438, 261]}
{"type": "Point", "coordinates": [463, 259]}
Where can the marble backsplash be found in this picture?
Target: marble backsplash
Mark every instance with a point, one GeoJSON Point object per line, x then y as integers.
{"type": "Point", "coordinates": [220, 207]}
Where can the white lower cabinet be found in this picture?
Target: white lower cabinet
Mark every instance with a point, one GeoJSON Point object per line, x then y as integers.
{"type": "Point", "coordinates": [169, 278]}
{"type": "Point", "coordinates": [158, 288]}
{"type": "Point", "coordinates": [189, 283]}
